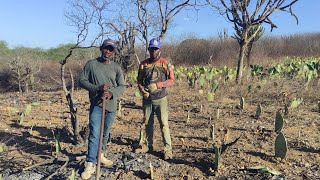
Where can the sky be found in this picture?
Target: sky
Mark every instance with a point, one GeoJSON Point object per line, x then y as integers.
{"type": "Point", "coordinates": [41, 23]}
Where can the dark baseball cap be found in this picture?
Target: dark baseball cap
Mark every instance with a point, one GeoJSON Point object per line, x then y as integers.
{"type": "Point", "coordinates": [109, 42]}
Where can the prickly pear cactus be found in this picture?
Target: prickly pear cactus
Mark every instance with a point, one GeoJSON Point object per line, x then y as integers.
{"type": "Point", "coordinates": [242, 103]}
{"type": "Point", "coordinates": [212, 133]}
{"type": "Point", "coordinates": [280, 147]}
{"type": "Point", "coordinates": [210, 96]}
{"type": "Point", "coordinates": [258, 111]}
{"type": "Point", "coordinates": [296, 102]}
{"type": "Point", "coordinates": [27, 110]}
{"type": "Point", "coordinates": [278, 124]}
{"type": "Point", "coordinates": [215, 86]}
{"type": "Point", "coordinates": [202, 81]}
{"type": "Point", "coordinates": [217, 152]}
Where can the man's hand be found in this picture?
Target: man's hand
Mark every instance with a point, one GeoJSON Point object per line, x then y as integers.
{"type": "Point", "coordinates": [146, 95]}
{"type": "Point", "coordinates": [106, 94]}
{"type": "Point", "coordinates": [104, 87]}
{"type": "Point", "coordinates": [152, 87]}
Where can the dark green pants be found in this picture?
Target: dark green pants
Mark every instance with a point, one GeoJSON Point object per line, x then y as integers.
{"type": "Point", "coordinates": [160, 108]}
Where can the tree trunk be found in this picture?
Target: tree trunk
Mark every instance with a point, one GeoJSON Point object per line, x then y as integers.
{"type": "Point", "coordinates": [73, 111]}
{"type": "Point", "coordinates": [248, 55]}
{"type": "Point", "coordinates": [242, 52]}
{"type": "Point", "coordinates": [74, 120]}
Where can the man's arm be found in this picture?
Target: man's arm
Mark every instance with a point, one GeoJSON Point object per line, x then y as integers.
{"type": "Point", "coordinates": [169, 82]}
{"type": "Point", "coordinates": [139, 82]}
{"type": "Point", "coordinates": [84, 79]}
{"type": "Point", "coordinates": [118, 90]}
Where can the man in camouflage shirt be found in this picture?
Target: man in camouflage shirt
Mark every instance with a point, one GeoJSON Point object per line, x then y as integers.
{"type": "Point", "coordinates": [155, 75]}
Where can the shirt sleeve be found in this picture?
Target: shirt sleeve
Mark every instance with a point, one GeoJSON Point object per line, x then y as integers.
{"type": "Point", "coordinates": [118, 90]}
{"type": "Point", "coordinates": [140, 78]}
{"type": "Point", "coordinates": [170, 78]}
{"type": "Point", "coordinates": [84, 79]}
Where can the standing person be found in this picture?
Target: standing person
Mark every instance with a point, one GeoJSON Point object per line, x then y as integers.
{"type": "Point", "coordinates": [103, 78]}
{"type": "Point", "coordinates": [154, 76]}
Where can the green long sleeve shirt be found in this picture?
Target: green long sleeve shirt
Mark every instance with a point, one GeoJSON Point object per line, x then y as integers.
{"type": "Point", "coordinates": [96, 73]}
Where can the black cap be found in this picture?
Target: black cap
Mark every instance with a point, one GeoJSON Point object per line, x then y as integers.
{"type": "Point", "coordinates": [109, 42]}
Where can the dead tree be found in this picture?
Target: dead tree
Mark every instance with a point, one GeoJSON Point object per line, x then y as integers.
{"type": "Point", "coordinates": [93, 24]}
{"type": "Point", "coordinates": [82, 15]}
{"type": "Point", "coordinates": [253, 40]}
{"type": "Point", "coordinates": [25, 66]}
{"type": "Point", "coordinates": [157, 22]}
{"type": "Point", "coordinates": [248, 18]}
{"type": "Point", "coordinates": [126, 41]}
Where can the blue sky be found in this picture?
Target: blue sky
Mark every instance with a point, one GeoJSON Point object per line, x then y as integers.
{"type": "Point", "coordinates": [41, 23]}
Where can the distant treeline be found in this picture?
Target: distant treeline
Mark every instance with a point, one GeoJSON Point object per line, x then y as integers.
{"type": "Point", "coordinates": [45, 69]}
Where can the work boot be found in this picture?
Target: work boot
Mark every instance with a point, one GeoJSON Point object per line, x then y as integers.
{"type": "Point", "coordinates": [144, 149]}
{"type": "Point", "coordinates": [168, 155]}
{"type": "Point", "coordinates": [106, 162]}
{"type": "Point", "coordinates": [88, 171]}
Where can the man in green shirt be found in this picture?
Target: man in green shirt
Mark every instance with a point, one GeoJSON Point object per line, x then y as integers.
{"type": "Point", "coordinates": [103, 78]}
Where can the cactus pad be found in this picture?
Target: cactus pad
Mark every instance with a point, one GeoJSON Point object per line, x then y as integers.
{"type": "Point", "coordinates": [280, 147]}
{"type": "Point", "coordinates": [278, 124]}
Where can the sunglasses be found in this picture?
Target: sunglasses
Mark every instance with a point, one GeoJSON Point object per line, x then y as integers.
{"type": "Point", "coordinates": [109, 48]}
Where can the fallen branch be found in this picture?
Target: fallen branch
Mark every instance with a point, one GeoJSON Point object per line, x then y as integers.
{"type": "Point", "coordinates": [56, 172]}
{"type": "Point", "coordinates": [51, 160]}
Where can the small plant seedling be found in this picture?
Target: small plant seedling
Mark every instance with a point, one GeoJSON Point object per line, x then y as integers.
{"type": "Point", "coordinates": [31, 130]}
{"type": "Point", "coordinates": [137, 94]}
{"type": "Point", "coordinates": [119, 108]}
{"type": "Point", "coordinates": [1, 148]}
{"type": "Point", "coordinates": [210, 96]}
{"type": "Point", "coordinates": [258, 111]}
{"type": "Point", "coordinates": [21, 118]}
{"type": "Point", "coordinates": [215, 86]}
{"type": "Point", "coordinates": [57, 143]}
{"type": "Point", "coordinates": [141, 136]}
{"type": "Point", "coordinates": [212, 133]}
{"type": "Point", "coordinates": [217, 152]}
{"type": "Point", "coordinates": [218, 114]}
{"type": "Point", "coordinates": [242, 103]}
{"type": "Point", "coordinates": [73, 175]}
{"type": "Point", "coordinates": [151, 171]}
{"type": "Point", "coordinates": [296, 102]}
{"type": "Point", "coordinates": [27, 110]}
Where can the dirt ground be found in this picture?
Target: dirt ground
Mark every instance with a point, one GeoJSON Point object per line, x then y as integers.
{"type": "Point", "coordinates": [249, 142]}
